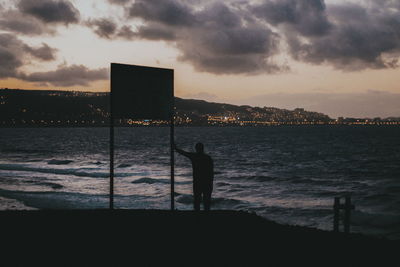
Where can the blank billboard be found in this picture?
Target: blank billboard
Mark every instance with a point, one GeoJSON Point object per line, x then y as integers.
{"type": "Point", "coordinates": [139, 92]}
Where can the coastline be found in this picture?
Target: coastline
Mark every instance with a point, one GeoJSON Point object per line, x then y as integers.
{"type": "Point", "coordinates": [187, 238]}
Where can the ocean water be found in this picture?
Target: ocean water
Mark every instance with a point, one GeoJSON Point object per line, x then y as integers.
{"type": "Point", "coordinates": [289, 174]}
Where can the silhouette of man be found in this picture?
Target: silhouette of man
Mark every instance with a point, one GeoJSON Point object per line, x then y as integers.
{"type": "Point", "coordinates": [203, 175]}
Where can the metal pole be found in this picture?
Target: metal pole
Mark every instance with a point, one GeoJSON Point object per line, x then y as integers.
{"type": "Point", "coordinates": [111, 200]}
{"type": "Point", "coordinates": [172, 144]}
{"type": "Point", "coordinates": [172, 133]}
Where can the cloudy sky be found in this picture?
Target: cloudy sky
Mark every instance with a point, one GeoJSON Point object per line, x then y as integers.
{"type": "Point", "coordinates": [339, 57]}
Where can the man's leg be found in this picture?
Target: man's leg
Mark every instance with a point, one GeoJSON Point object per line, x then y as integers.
{"type": "Point", "coordinates": [207, 200]}
{"type": "Point", "coordinates": [196, 198]}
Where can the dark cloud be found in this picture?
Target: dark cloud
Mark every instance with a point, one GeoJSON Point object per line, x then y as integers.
{"type": "Point", "coordinates": [37, 17]}
{"type": "Point", "coordinates": [223, 43]}
{"type": "Point", "coordinates": [245, 49]}
{"type": "Point", "coordinates": [220, 15]}
{"type": "Point", "coordinates": [14, 53]}
{"type": "Point", "coordinates": [155, 31]}
{"type": "Point", "coordinates": [360, 38]}
{"type": "Point", "coordinates": [67, 76]}
{"type": "Point", "coordinates": [350, 48]}
{"type": "Point", "coordinates": [218, 41]}
{"type": "Point", "coordinates": [234, 37]}
{"type": "Point", "coordinates": [307, 17]}
{"type": "Point", "coordinates": [50, 11]}
{"type": "Point", "coordinates": [103, 27]}
{"type": "Point", "coordinates": [45, 52]}
{"type": "Point", "coordinates": [395, 4]}
{"type": "Point", "coordinates": [126, 32]}
{"type": "Point", "coordinates": [170, 12]}
{"type": "Point", "coordinates": [14, 21]}
{"type": "Point", "coordinates": [214, 38]}
{"type": "Point", "coordinates": [106, 28]}
{"type": "Point", "coordinates": [11, 50]}
{"type": "Point", "coordinates": [119, 2]}
{"type": "Point", "coordinates": [347, 36]}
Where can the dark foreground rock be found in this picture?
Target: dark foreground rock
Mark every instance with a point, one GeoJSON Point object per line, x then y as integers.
{"type": "Point", "coordinates": [179, 238]}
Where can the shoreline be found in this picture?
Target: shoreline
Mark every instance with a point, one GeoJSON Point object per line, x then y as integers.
{"type": "Point", "coordinates": [21, 126]}
{"type": "Point", "coordinates": [11, 204]}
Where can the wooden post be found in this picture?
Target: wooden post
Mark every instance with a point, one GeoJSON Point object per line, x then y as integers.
{"type": "Point", "coordinates": [347, 207]}
{"type": "Point", "coordinates": [336, 207]}
{"type": "Point", "coordinates": [347, 212]}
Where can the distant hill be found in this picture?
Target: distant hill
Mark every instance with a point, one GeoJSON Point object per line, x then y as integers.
{"type": "Point", "coordinates": [37, 107]}
{"type": "Point", "coordinates": [245, 113]}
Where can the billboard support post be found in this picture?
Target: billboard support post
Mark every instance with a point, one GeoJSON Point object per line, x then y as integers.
{"type": "Point", "coordinates": [111, 196]}
{"type": "Point", "coordinates": [172, 133]}
{"type": "Point", "coordinates": [141, 92]}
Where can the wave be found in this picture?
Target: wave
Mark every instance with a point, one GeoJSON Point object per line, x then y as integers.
{"type": "Point", "coordinates": [57, 200]}
{"type": "Point", "coordinates": [222, 184]}
{"type": "Point", "coordinates": [13, 204]}
{"type": "Point", "coordinates": [262, 178]}
{"type": "Point", "coordinates": [330, 193]}
{"type": "Point", "coordinates": [288, 179]}
{"type": "Point", "coordinates": [59, 162]}
{"type": "Point", "coordinates": [49, 184]}
{"type": "Point", "coordinates": [374, 219]}
{"type": "Point", "coordinates": [257, 178]}
{"type": "Point", "coordinates": [234, 190]}
{"type": "Point", "coordinates": [75, 172]}
{"type": "Point", "coordinates": [124, 165]}
{"type": "Point", "coordinates": [26, 151]}
{"type": "Point", "coordinates": [377, 196]}
{"type": "Point", "coordinates": [188, 199]}
{"type": "Point", "coordinates": [147, 180]}
{"type": "Point", "coordinates": [318, 181]}
{"type": "Point", "coordinates": [33, 160]}
{"type": "Point", "coordinates": [185, 199]}
{"type": "Point", "coordinates": [225, 201]}
{"type": "Point", "coordinates": [393, 189]}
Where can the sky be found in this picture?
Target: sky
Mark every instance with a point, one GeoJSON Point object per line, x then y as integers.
{"type": "Point", "coordinates": [339, 57]}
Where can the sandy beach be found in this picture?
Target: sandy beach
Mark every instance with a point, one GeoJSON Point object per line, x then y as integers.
{"type": "Point", "coordinates": [183, 238]}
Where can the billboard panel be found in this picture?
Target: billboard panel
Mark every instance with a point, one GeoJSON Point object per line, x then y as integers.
{"type": "Point", "coordinates": [139, 92]}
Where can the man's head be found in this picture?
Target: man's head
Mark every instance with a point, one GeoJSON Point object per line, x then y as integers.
{"type": "Point", "coordinates": [199, 148]}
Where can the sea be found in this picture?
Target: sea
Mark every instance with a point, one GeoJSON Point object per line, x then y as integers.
{"type": "Point", "coordinates": [287, 174]}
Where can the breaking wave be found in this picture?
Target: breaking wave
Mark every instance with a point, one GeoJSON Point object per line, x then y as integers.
{"type": "Point", "coordinates": [59, 162]}
{"type": "Point", "coordinates": [147, 180]}
{"type": "Point", "coordinates": [93, 173]}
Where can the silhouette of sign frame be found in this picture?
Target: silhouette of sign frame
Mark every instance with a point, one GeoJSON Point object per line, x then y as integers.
{"type": "Point", "coordinates": [141, 92]}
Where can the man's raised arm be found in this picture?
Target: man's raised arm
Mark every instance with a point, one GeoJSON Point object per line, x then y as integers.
{"type": "Point", "coordinates": [182, 152]}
